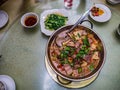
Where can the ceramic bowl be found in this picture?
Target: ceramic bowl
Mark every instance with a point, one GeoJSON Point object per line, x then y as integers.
{"type": "Point", "coordinates": [29, 20]}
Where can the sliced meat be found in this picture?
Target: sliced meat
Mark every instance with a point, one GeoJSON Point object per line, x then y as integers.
{"type": "Point", "coordinates": [63, 34]}
{"type": "Point", "coordinates": [78, 49]}
{"type": "Point", "coordinates": [80, 41]}
{"type": "Point", "coordinates": [75, 73]}
{"type": "Point", "coordinates": [84, 32]}
{"type": "Point", "coordinates": [67, 66]}
{"type": "Point", "coordinates": [63, 72]}
{"type": "Point", "coordinates": [95, 55]}
{"type": "Point", "coordinates": [76, 66]}
{"type": "Point", "coordinates": [74, 56]}
{"type": "Point", "coordinates": [60, 40]}
{"type": "Point", "coordinates": [90, 40]}
{"type": "Point", "coordinates": [87, 58]}
{"type": "Point", "coordinates": [86, 71]}
{"type": "Point", "coordinates": [70, 44]}
{"type": "Point", "coordinates": [93, 46]}
{"type": "Point", "coordinates": [84, 64]}
{"type": "Point", "coordinates": [55, 63]}
{"type": "Point", "coordinates": [67, 41]}
{"type": "Point", "coordinates": [77, 44]}
{"type": "Point", "coordinates": [68, 69]}
{"type": "Point", "coordinates": [57, 52]}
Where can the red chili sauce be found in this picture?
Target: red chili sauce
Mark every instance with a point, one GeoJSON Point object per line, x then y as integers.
{"type": "Point", "coordinates": [31, 20]}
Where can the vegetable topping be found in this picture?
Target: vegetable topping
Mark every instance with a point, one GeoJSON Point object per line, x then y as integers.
{"type": "Point", "coordinates": [55, 21]}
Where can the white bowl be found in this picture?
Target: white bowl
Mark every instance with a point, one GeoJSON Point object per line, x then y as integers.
{"type": "Point", "coordinates": [27, 15]}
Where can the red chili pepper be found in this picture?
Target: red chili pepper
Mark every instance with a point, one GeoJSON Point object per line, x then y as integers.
{"type": "Point", "coordinates": [59, 66]}
{"type": "Point", "coordinates": [97, 14]}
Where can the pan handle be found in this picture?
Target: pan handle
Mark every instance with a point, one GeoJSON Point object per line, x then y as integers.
{"type": "Point", "coordinates": [91, 24]}
{"type": "Point", "coordinates": [63, 81]}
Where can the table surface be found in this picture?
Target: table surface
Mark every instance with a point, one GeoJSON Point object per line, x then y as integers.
{"type": "Point", "coordinates": [23, 50]}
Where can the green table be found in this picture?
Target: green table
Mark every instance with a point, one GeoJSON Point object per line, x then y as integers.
{"type": "Point", "coordinates": [23, 51]}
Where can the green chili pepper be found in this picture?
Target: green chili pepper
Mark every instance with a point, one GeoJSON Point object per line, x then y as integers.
{"type": "Point", "coordinates": [85, 41]}
{"type": "Point", "coordinates": [91, 67]}
{"type": "Point", "coordinates": [79, 70]}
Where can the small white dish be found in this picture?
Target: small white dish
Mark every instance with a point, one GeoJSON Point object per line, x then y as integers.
{"type": "Point", "coordinates": [10, 84]}
{"type": "Point", "coordinates": [3, 18]}
{"type": "Point", "coordinates": [105, 16]}
{"type": "Point", "coordinates": [47, 12]}
{"type": "Point", "coordinates": [28, 16]}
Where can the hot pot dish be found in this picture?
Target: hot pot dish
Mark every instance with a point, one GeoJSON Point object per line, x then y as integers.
{"type": "Point", "coordinates": [77, 55]}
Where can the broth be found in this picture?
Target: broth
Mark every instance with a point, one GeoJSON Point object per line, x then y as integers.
{"type": "Point", "coordinates": [76, 54]}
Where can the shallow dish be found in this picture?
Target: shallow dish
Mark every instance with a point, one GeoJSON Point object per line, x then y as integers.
{"type": "Point", "coordinates": [47, 12]}
{"type": "Point", "coordinates": [105, 16]}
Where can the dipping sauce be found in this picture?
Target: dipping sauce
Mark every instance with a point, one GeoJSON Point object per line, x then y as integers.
{"type": "Point", "coordinates": [30, 21]}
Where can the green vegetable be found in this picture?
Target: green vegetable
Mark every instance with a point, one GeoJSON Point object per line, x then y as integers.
{"type": "Point", "coordinates": [71, 64]}
{"type": "Point", "coordinates": [91, 67]}
{"type": "Point", "coordinates": [79, 70]}
{"type": "Point", "coordinates": [80, 54]}
{"type": "Point", "coordinates": [67, 48]}
{"type": "Point", "coordinates": [78, 35]}
{"type": "Point", "coordinates": [64, 54]}
{"type": "Point", "coordinates": [86, 42]}
{"type": "Point", "coordinates": [83, 51]}
{"type": "Point", "coordinates": [55, 21]}
{"type": "Point", "coordinates": [66, 61]}
{"type": "Point", "coordinates": [62, 62]}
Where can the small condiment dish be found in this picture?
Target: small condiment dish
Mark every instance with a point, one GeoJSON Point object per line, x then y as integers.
{"type": "Point", "coordinates": [29, 20]}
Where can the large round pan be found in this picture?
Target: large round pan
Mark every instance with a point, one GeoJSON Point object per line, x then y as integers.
{"type": "Point", "coordinates": [94, 72]}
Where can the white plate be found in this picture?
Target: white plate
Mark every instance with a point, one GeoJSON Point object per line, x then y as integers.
{"type": "Point", "coordinates": [3, 18]}
{"type": "Point", "coordinates": [44, 15]}
{"type": "Point", "coordinates": [105, 16]}
{"type": "Point", "coordinates": [8, 81]}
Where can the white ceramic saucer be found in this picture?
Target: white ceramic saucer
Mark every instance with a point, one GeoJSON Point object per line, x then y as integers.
{"type": "Point", "coordinates": [8, 81]}
{"type": "Point", "coordinates": [104, 17]}
{"type": "Point", "coordinates": [3, 18]}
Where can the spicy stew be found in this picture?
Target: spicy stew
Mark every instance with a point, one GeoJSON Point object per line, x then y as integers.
{"type": "Point", "coordinates": [76, 54]}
